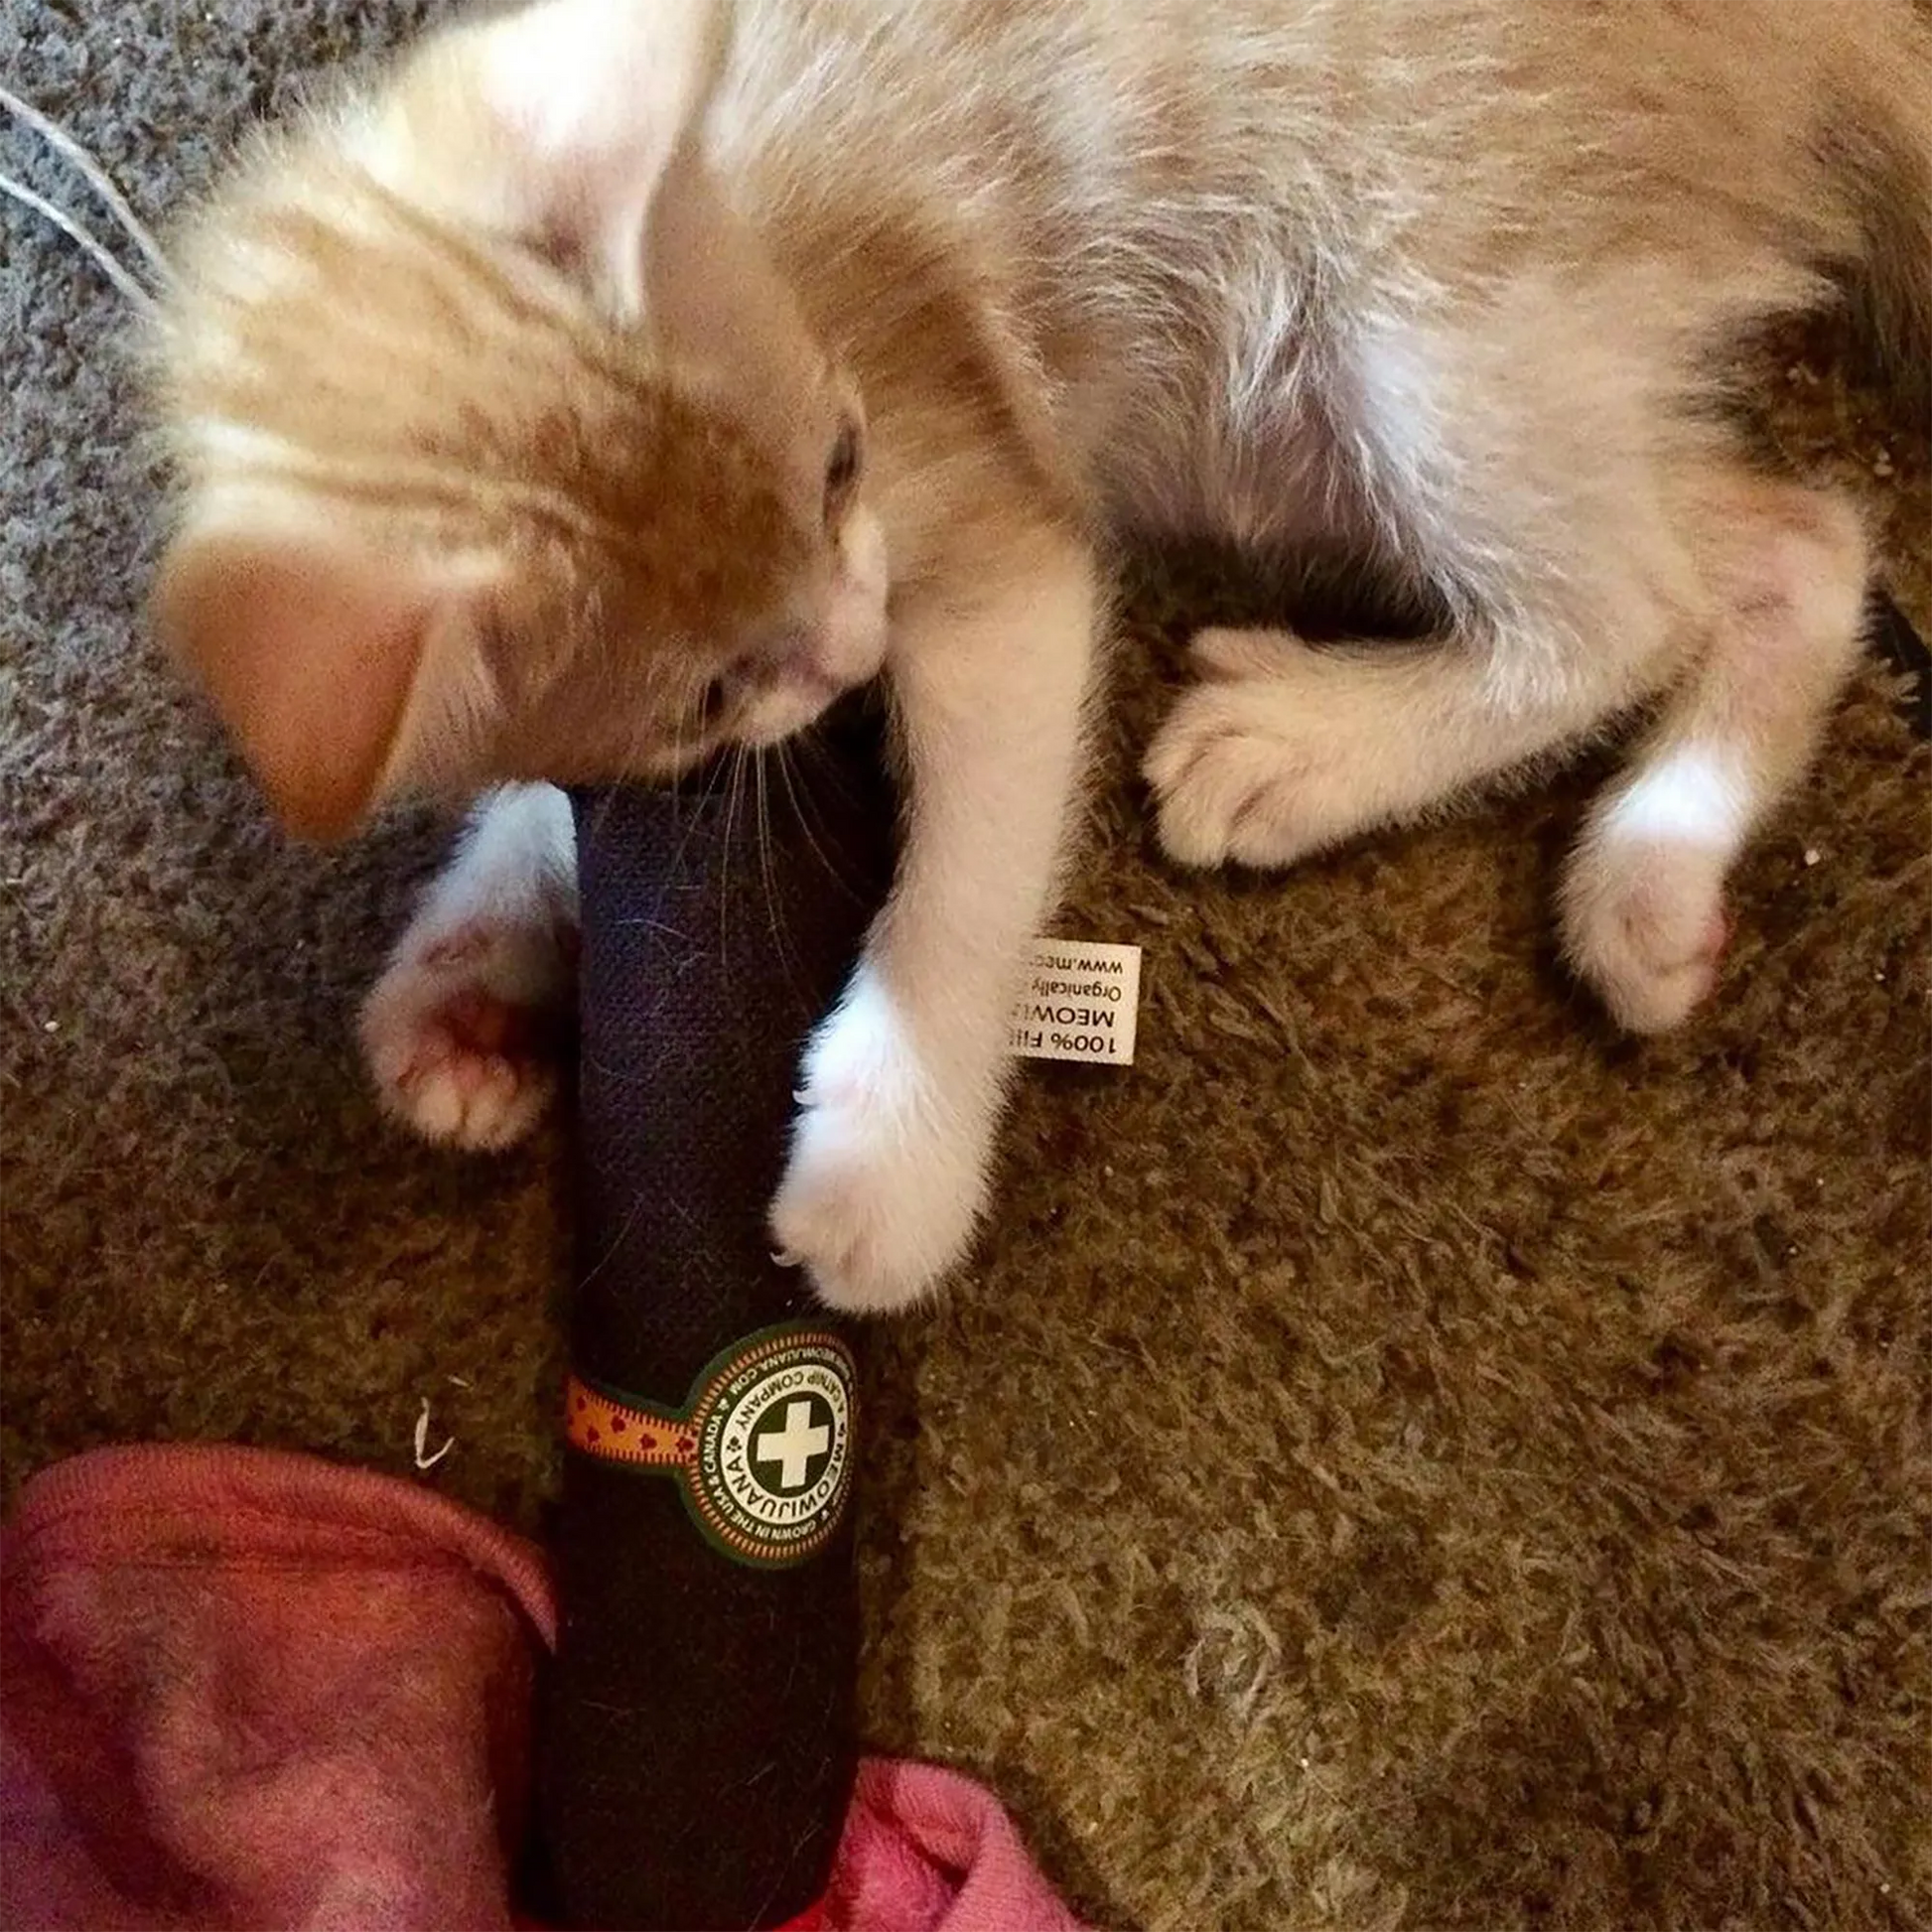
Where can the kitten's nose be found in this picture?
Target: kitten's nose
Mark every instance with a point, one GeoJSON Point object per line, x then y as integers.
{"type": "Point", "coordinates": [801, 662]}
{"type": "Point", "coordinates": [845, 655]}
{"type": "Point", "coordinates": [851, 638]}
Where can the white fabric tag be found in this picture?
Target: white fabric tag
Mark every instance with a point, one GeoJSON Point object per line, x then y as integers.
{"type": "Point", "coordinates": [1079, 1002]}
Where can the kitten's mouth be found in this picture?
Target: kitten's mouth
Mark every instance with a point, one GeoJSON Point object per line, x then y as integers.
{"type": "Point", "coordinates": [797, 701]}
{"type": "Point", "coordinates": [826, 687]}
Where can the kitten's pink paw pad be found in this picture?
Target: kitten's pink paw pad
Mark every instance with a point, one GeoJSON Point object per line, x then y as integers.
{"type": "Point", "coordinates": [1647, 927]}
{"type": "Point", "coordinates": [464, 1033]}
{"type": "Point", "coordinates": [1231, 784]}
{"type": "Point", "coordinates": [467, 946]}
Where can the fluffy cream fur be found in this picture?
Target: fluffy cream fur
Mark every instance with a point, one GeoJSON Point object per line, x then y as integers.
{"type": "Point", "coordinates": [512, 401]}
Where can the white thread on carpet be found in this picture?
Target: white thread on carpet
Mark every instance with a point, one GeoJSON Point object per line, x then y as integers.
{"type": "Point", "coordinates": [97, 178]}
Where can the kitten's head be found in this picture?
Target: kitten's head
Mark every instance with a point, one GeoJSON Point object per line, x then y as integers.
{"type": "Point", "coordinates": [506, 452]}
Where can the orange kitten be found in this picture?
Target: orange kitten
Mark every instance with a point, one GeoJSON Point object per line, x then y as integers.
{"type": "Point", "coordinates": [623, 379]}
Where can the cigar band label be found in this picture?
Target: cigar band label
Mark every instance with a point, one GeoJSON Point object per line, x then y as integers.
{"type": "Point", "coordinates": [761, 1453]}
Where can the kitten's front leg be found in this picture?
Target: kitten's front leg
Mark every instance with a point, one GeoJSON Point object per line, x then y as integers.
{"type": "Point", "coordinates": [903, 1084]}
{"type": "Point", "coordinates": [465, 1029]}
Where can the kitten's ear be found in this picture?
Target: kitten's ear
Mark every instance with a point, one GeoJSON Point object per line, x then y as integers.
{"type": "Point", "coordinates": [319, 663]}
{"type": "Point", "coordinates": [596, 96]}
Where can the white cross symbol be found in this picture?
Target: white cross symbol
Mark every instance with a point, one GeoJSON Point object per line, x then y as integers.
{"type": "Point", "coordinates": [794, 1445]}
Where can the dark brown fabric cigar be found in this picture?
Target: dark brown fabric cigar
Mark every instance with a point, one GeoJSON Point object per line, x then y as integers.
{"type": "Point", "coordinates": [697, 1749]}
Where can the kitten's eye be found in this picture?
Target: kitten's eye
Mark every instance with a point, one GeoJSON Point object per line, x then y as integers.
{"type": "Point", "coordinates": [842, 472]}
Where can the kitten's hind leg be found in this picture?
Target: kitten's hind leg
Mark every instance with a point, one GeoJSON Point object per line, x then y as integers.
{"type": "Point", "coordinates": [464, 1030]}
{"type": "Point", "coordinates": [1642, 901]}
{"type": "Point", "coordinates": [1283, 748]}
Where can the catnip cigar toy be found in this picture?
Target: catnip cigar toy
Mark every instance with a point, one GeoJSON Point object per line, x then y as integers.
{"type": "Point", "coordinates": [697, 1749]}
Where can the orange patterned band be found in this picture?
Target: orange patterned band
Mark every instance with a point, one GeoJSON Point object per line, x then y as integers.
{"type": "Point", "coordinates": [599, 1424]}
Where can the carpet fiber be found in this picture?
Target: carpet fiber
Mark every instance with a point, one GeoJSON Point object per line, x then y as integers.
{"type": "Point", "coordinates": [1404, 1458]}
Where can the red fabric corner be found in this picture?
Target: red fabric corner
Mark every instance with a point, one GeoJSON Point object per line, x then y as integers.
{"type": "Point", "coordinates": [246, 1688]}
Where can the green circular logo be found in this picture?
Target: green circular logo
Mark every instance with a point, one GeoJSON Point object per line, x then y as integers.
{"type": "Point", "coordinates": [773, 1464]}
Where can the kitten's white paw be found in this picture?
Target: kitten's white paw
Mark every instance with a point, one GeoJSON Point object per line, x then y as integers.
{"type": "Point", "coordinates": [1237, 773]}
{"type": "Point", "coordinates": [463, 1033]}
{"type": "Point", "coordinates": [887, 1171]}
{"type": "Point", "coordinates": [1644, 924]}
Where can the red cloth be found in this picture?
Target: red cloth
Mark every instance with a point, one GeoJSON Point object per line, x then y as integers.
{"type": "Point", "coordinates": [243, 1688]}
{"type": "Point", "coordinates": [928, 1851]}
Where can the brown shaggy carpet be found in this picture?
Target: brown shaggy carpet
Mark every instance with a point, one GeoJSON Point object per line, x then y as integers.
{"type": "Point", "coordinates": [1405, 1457]}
